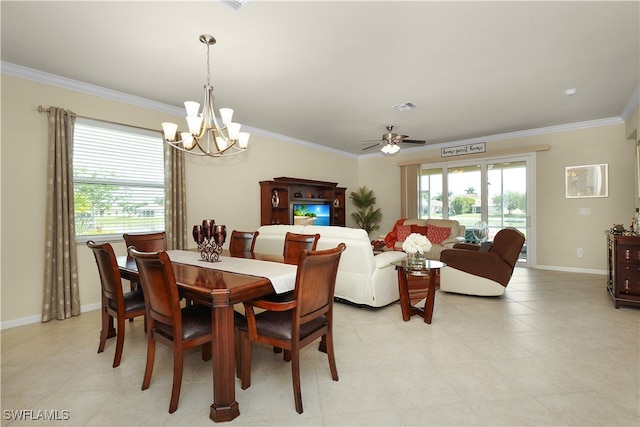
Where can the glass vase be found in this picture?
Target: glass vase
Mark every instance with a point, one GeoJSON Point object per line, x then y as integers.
{"type": "Point", "coordinates": [416, 259]}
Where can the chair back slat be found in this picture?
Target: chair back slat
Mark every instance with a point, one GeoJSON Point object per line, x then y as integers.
{"type": "Point", "coordinates": [159, 286]}
{"type": "Point", "coordinates": [110, 279]}
{"type": "Point", "coordinates": [242, 241]}
{"type": "Point", "coordinates": [316, 281]}
{"type": "Point", "coordinates": [146, 242]}
{"type": "Point", "coordinates": [295, 243]}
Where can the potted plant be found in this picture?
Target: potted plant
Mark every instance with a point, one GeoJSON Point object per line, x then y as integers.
{"type": "Point", "coordinates": [366, 217]}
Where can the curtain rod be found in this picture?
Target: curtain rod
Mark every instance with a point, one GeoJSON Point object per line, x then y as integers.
{"type": "Point", "coordinates": [42, 109]}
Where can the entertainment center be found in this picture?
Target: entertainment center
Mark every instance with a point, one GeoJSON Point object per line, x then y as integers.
{"type": "Point", "coordinates": [301, 201]}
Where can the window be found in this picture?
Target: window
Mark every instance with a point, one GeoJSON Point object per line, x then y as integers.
{"type": "Point", "coordinates": [493, 190]}
{"type": "Point", "coordinates": [118, 180]}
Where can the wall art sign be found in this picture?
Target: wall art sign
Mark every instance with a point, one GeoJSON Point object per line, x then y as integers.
{"type": "Point", "coordinates": [586, 181]}
{"type": "Point", "coordinates": [479, 147]}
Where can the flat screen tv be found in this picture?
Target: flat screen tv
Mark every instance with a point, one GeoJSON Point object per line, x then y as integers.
{"type": "Point", "coordinates": [311, 213]}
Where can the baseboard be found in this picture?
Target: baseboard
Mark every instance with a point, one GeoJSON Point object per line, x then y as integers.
{"type": "Point", "coordinates": [572, 269]}
{"type": "Point", "coordinates": [29, 320]}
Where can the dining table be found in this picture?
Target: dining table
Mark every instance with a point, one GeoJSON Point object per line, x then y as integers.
{"type": "Point", "coordinates": [220, 285]}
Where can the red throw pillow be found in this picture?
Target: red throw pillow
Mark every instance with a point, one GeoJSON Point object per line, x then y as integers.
{"type": "Point", "coordinates": [437, 234]}
{"type": "Point", "coordinates": [402, 232]}
{"type": "Point", "coordinates": [420, 229]}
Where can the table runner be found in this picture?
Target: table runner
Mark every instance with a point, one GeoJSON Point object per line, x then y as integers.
{"type": "Point", "coordinates": [282, 276]}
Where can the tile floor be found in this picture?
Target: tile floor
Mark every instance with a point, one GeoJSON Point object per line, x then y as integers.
{"type": "Point", "coordinates": [553, 351]}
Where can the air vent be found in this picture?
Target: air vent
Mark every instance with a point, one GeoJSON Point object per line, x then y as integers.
{"type": "Point", "coordinates": [236, 4]}
{"type": "Point", "coordinates": [405, 107]}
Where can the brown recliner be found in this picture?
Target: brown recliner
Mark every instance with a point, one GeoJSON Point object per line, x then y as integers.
{"type": "Point", "coordinates": [481, 270]}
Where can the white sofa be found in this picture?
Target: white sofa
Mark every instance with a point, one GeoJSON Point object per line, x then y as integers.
{"type": "Point", "coordinates": [456, 234]}
{"type": "Point", "coordinates": [363, 278]}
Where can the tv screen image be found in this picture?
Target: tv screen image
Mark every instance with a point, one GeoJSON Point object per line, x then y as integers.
{"type": "Point", "coordinates": [311, 214]}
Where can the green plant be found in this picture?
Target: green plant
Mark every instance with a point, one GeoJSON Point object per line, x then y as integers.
{"type": "Point", "coordinates": [366, 217]}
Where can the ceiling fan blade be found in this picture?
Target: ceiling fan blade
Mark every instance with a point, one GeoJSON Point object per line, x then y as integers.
{"type": "Point", "coordinates": [372, 140]}
{"type": "Point", "coordinates": [412, 141]}
{"type": "Point", "coordinates": [370, 146]}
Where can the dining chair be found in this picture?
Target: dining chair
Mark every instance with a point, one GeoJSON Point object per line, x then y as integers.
{"type": "Point", "coordinates": [115, 302]}
{"type": "Point", "coordinates": [291, 325]}
{"type": "Point", "coordinates": [242, 241]}
{"type": "Point", "coordinates": [294, 243]}
{"type": "Point", "coordinates": [145, 242]}
{"type": "Point", "coordinates": [168, 323]}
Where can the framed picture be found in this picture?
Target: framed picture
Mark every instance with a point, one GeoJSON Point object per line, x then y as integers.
{"type": "Point", "coordinates": [587, 181]}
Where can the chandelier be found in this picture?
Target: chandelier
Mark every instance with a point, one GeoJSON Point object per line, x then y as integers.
{"type": "Point", "coordinates": [206, 137]}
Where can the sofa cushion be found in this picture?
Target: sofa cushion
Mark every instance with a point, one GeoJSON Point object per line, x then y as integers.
{"type": "Point", "coordinates": [402, 232]}
{"type": "Point", "coordinates": [451, 223]}
{"type": "Point", "coordinates": [437, 234]}
{"type": "Point", "coordinates": [420, 229]}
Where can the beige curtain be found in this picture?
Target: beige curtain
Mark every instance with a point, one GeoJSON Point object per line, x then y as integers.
{"type": "Point", "coordinates": [61, 294]}
{"type": "Point", "coordinates": [409, 178]}
{"type": "Point", "coordinates": [175, 202]}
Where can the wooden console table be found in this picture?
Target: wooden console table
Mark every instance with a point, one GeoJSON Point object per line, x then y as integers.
{"type": "Point", "coordinates": [623, 268]}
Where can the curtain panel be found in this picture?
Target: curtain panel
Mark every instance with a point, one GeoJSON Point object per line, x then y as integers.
{"type": "Point", "coordinates": [175, 217]}
{"type": "Point", "coordinates": [61, 298]}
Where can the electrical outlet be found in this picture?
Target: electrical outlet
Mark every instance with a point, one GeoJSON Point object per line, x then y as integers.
{"type": "Point", "coordinates": [580, 253]}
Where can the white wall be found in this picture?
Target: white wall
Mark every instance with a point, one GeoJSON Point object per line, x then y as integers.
{"type": "Point", "coordinates": [229, 192]}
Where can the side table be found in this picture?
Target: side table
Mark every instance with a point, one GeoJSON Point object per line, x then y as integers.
{"type": "Point", "coordinates": [429, 268]}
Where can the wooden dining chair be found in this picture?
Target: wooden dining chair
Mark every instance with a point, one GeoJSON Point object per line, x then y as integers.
{"type": "Point", "coordinates": [115, 302]}
{"type": "Point", "coordinates": [242, 241]}
{"type": "Point", "coordinates": [145, 242]}
{"type": "Point", "coordinates": [168, 323]}
{"type": "Point", "coordinates": [293, 324]}
{"type": "Point", "coordinates": [294, 243]}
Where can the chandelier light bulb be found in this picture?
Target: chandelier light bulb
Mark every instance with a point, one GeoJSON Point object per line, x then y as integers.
{"type": "Point", "coordinates": [226, 114]}
{"type": "Point", "coordinates": [169, 130]}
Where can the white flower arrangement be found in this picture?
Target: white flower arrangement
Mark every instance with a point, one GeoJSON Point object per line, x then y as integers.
{"type": "Point", "coordinates": [416, 243]}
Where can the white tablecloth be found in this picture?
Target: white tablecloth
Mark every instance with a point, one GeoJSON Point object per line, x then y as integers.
{"type": "Point", "coordinates": [282, 276]}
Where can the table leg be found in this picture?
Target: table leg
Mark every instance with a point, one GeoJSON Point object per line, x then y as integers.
{"type": "Point", "coordinates": [224, 407]}
{"type": "Point", "coordinates": [403, 288]}
{"type": "Point", "coordinates": [431, 295]}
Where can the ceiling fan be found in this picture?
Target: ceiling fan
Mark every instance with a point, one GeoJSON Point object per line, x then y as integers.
{"type": "Point", "coordinates": [390, 141]}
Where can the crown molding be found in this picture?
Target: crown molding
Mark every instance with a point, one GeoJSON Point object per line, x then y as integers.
{"type": "Point", "coordinates": [75, 85]}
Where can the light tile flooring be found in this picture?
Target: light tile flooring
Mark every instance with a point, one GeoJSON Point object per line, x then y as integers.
{"type": "Point", "coordinates": [553, 351]}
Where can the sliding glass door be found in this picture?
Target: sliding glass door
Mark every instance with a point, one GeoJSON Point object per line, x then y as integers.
{"type": "Point", "coordinates": [484, 196]}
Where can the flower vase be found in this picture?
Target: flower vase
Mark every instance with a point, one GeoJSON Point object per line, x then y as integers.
{"type": "Point", "coordinates": [416, 259]}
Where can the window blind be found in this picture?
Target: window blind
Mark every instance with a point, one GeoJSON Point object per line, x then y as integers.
{"type": "Point", "coordinates": [118, 180]}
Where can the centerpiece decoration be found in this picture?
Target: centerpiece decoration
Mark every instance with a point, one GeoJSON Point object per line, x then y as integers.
{"type": "Point", "coordinates": [209, 237]}
{"type": "Point", "coordinates": [416, 246]}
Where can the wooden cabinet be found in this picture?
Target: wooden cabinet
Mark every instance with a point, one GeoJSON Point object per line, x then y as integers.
{"type": "Point", "coordinates": [282, 198]}
{"type": "Point", "coordinates": [623, 272]}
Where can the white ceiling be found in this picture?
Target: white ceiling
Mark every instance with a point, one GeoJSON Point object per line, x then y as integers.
{"type": "Point", "coordinates": [329, 72]}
